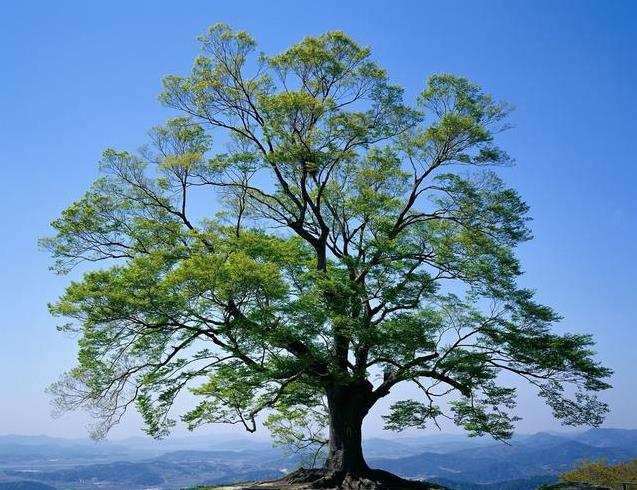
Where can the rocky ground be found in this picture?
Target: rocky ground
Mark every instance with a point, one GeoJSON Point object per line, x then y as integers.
{"type": "Point", "coordinates": [278, 485]}
{"type": "Point", "coordinates": [311, 479]}
{"type": "Point", "coordinates": [287, 485]}
{"type": "Point", "coordinates": [282, 485]}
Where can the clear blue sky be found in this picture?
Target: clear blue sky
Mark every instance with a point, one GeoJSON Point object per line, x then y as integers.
{"type": "Point", "coordinates": [80, 76]}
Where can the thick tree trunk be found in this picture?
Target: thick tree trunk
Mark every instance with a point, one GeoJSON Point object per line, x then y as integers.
{"type": "Point", "coordinates": [347, 407]}
{"type": "Point", "coordinates": [345, 467]}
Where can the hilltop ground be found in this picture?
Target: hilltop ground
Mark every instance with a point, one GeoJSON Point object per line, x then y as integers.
{"type": "Point", "coordinates": [303, 479]}
{"type": "Point", "coordinates": [282, 485]}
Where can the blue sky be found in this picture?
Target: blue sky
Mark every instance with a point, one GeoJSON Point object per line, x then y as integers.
{"type": "Point", "coordinates": [81, 76]}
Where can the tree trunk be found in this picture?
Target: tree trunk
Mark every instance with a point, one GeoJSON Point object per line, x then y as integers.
{"type": "Point", "coordinates": [345, 467]}
{"type": "Point", "coordinates": [347, 407]}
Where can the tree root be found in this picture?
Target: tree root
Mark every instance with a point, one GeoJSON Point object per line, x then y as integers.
{"type": "Point", "coordinates": [368, 479]}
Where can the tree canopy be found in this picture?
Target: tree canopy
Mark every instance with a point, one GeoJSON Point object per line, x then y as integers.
{"type": "Point", "coordinates": [330, 242]}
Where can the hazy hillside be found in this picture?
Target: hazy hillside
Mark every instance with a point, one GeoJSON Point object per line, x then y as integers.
{"type": "Point", "coordinates": [25, 485]}
{"type": "Point", "coordinates": [525, 463]}
{"type": "Point", "coordinates": [456, 462]}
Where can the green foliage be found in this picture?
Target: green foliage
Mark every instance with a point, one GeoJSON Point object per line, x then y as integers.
{"type": "Point", "coordinates": [410, 413]}
{"type": "Point", "coordinates": [601, 473]}
{"type": "Point", "coordinates": [300, 429]}
{"type": "Point", "coordinates": [344, 221]}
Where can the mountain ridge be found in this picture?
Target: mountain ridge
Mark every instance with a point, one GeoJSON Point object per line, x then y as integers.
{"type": "Point", "coordinates": [529, 460]}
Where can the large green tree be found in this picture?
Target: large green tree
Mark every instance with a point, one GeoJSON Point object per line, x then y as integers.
{"type": "Point", "coordinates": [331, 243]}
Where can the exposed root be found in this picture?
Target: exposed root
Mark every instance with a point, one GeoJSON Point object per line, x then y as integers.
{"type": "Point", "coordinates": [368, 479]}
{"type": "Point", "coordinates": [304, 475]}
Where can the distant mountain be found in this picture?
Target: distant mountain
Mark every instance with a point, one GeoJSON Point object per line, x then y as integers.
{"type": "Point", "coordinates": [377, 447]}
{"type": "Point", "coordinates": [122, 472]}
{"type": "Point", "coordinates": [521, 484]}
{"type": "Point", "coordinates": [168, 471]}
{"type": "Point", "coordinates": [522, 464]}
{"type": "Point", "coordinates": [47, 441]}
{"type": "Point", "coordinates": [25, 485]}
{"type": "Point", "coordinates": [148, 473]}
{"type": "Point", "coordinates": [456, 462]}
{"type": "Point", "coordinates": [609, 438]}
{"type": "Point", "coordinates": [401, 447]}
{"type": "Point", "coordinates": [538, 440]}
{"type": "Point", "coordinates": [188, 456]}
{"type": "Point", "coordinates": [28, 450]}
{"type": "Point", "coordinates": [201, 443]}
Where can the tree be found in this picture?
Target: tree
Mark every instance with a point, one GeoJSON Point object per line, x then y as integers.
{"type": "Point", "coordinates": [601, 473]}
{"type": "Point", "coordinates": [357, 243]}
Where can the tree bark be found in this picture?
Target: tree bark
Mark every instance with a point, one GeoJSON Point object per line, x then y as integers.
{"type": "Point", "coordinates": [345, 467]}
{"type": "Point", "coordinates": [347, 407]}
